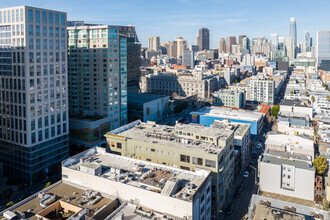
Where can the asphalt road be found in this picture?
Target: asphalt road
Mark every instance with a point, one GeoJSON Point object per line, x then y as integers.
{"type": "Point", "coordinates": [241, 203]}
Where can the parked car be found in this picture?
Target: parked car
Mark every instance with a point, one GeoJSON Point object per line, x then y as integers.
{"type": "Point", "coordinates": [246, 174]}
{"type": "Point", "coordinates": [258, 146]}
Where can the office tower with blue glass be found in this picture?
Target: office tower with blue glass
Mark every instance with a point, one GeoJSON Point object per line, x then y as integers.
{"type": "Point", "coordinates": [293, 30]}
{"type": "Point", "coordinates": [97, 60]}
{"type": "Point", "coordinates": [33, 92]}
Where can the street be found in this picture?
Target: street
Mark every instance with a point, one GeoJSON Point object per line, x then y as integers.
{"type": "Point", "coordinates": [241, 203]}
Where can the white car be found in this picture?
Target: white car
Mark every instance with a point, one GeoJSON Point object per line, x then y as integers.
{"type": "Point", "coordinates": [246, 174]}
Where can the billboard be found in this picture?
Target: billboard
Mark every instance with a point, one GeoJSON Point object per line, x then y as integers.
{"type": "Point", "coordinates": [194, 118]}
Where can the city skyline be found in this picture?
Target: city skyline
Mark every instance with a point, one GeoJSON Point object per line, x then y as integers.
{"type": "Point", "coordinates": [186, 18]}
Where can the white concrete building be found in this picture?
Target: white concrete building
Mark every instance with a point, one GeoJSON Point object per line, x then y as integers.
{"type": "Point", "coordinates": [262, 90]}
{"type": "Point", "coordinates": [291, 144]}
{"type": "Point", "coordinates": [289, 177]}
{"type": "Point", "coordinates": [174, 192]}
{"type": "Point", "coordinates": [295, 106]}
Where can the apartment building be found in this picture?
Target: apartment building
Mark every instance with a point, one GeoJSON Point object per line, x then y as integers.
{"type": "Point", "coordinates": [230, 98]}
{"type": "Point", "coordinates": [185, 146]}
{"type": "Point", "coordinates": [262, 91]}
{"type": "Point", "coordinates": [97, 81]}
{"type": "Point", "coordinates": [33, 91]}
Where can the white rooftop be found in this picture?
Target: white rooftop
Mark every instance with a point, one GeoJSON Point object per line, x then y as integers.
{"type": "Point", "coordinates": [290, 140]}
{"type": "Point", "coordinates": [223, 112]}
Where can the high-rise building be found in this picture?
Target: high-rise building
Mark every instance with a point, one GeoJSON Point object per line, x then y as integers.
{"type": "Point", "coordinates": [240, 39]}
{"type": "Point", "coordinates": [173, 49]}
{"type": "Point", "coordinates": [34, 135]}
{"type": "Point", "coordinates": [289, 47]}
{"type": "Point", "coordinates": [97, 81]}
{"type": "Point", "coordinates": [154, 43]}
{"type": "Point", "coordinates": [274, 41]}
{"type": "Point", "coordinates": [188, 58]}
{"type": "Point", "coordinates": [222, 45]}
{"type": "Point", "coordinates": [204, 39]}
{"type": "Point", "coordinates": [181, 46]}
{"type": "Point", "coordinates": [293, 30]}
{"type": "Point", "coordinates": [230, 41]}
{"type": "Point", "coordinates": [323, 50]}
{"type": "Point", "coordinates": [308, 42]}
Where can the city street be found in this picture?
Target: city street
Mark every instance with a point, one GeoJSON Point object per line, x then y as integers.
{"type": "Point", "coordinates": [241, 203]}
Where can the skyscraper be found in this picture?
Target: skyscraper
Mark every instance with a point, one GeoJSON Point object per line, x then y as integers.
{"type": "Point", "coordinates": [274, 41]}
{"type": "Point", "coordinates": [204, 39]}
{"type": "Point", "coordinates": [33, 91]}
{"type": "Point", "coordinates": [181, 46]}
{"type": "Point", "coordinates": [323, 50]}
{"type": "Point", "coordinates": [293, 30]}
{"type": "Point", "coordinates": [154, 43]}
{"type": "Point", "coordinates": [231, 40]}
{"type": "Point", "coordinates": [98, 81]}
{"type": "Point", "coordinates": [240, 38]}
{"type": "Point", "coordinates": [222, 45]}
{"type": "Point", "coordinates": [308, 42]}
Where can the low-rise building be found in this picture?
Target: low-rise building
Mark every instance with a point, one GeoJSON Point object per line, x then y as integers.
{"type": "Point", "coordinates": [229, 98]}
{"type": "Point", "coordinates": [242, 138]}
{"type": "Point", "coordinates": [147, 107]}
{"type": "Point", "coordinates": [283, 207]}
{"type": "Point", "coordinates": [295, 106]}
{"type": "Point", "coordinates": [302, 145]}
{"type": "Point", "coordinates": [207, 115]}
{"type": "Point", "coordinates": [99, 185]}
{"type": "Point", "coordinates": [185, 146]}
{"type": "Point", "coordinates": [294, 118]}
{"type": "Point", "coordinates": [286, 176]}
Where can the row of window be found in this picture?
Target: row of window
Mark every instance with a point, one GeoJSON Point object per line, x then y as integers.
{"type": "Point", "coordinates": [45, 44]}
{"type": "Point", "coordinates": [39, 136]}
{"type": "Point", "coordinates": [35, 30]}
{"type": "Point", "coordinates": [46, 108]}
{"type": "Point", "coordinates": [59, 118]}
{"type": "Point", "coordinates": [14, 15]}
{"type": "Point", "coordinates": [198, 161]}
{"type": "Point", "coordinates": [47, 17]}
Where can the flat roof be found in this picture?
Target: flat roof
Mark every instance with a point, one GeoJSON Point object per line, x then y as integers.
{"type": "Point", "coordinates": [299, 142]}
{"type": "Point", "coordinates": [167, 135]}
{"type": "Point", "coordinates": [143, 97]}
{"type": "Point", "coordinates": [294, 102]}
{"type": "Point", "coordinates": [239, 128]}
{"type": "Point", "coordinates": [229, 113]}
{"type": "Point", "coordinates": [142, 174]}
{"type": "Point", "coordinates": [62, 192]}
{"type": "Point", "coordinates": [271, 213]}
{"type": "Point", "coordinates": [265, 158]}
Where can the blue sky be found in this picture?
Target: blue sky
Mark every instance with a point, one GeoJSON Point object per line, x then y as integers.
{"type": "Point", "coordinates": [171, 18]}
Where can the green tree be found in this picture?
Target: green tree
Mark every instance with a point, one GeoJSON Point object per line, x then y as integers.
{"type": "Point", "coordinates": [291, 93]}
{"type": "Point", "coordinates": [313, 98]}
{"type": "Point", "coordinates": [306, 93]}
{"type": "Point", "coordinates": [275, 110]}
{"type": "Point", "coordinates": [320, 164]}
{"type": "Point", "coordinates": [9, 204]}
{"type": "Point", "coordinates": [48, 184]}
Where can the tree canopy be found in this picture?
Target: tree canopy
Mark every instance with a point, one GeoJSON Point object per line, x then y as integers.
{"type": "Point", "coordinates": [275, 110]}
{"type": "Point", "coordinates": [320, 164]}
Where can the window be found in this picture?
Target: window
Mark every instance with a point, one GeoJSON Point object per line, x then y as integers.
{"type": "Point", "coordinates": [119, 145]}
{"type": "Point", "coordinates": [50, 31]}
{"type": "Point", "coordinates": [197, 160]}
{"type": "Point", "coordinates": [184, 158]}
{"type": "Point", "coordinates": [62, 19]}
{"type": "Point", "coordinates": [30, 30]}
{"type": "Point", "coordinates": [30, 15]}
{"type": "Point", "coordinates": [184, 168]}
{"type": "Point", "coordinates": [37, 12]}
{"type": "Point", "coordinates": [210, 163]}
{"type": "Point", "coordinates": [44, 31]}
{"type": "Point", "coordinates": [50, 15]}
{"type": "Point", "coordinates": [57, 22]}
{"type": "Point", "coordinates": [44, 17]}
